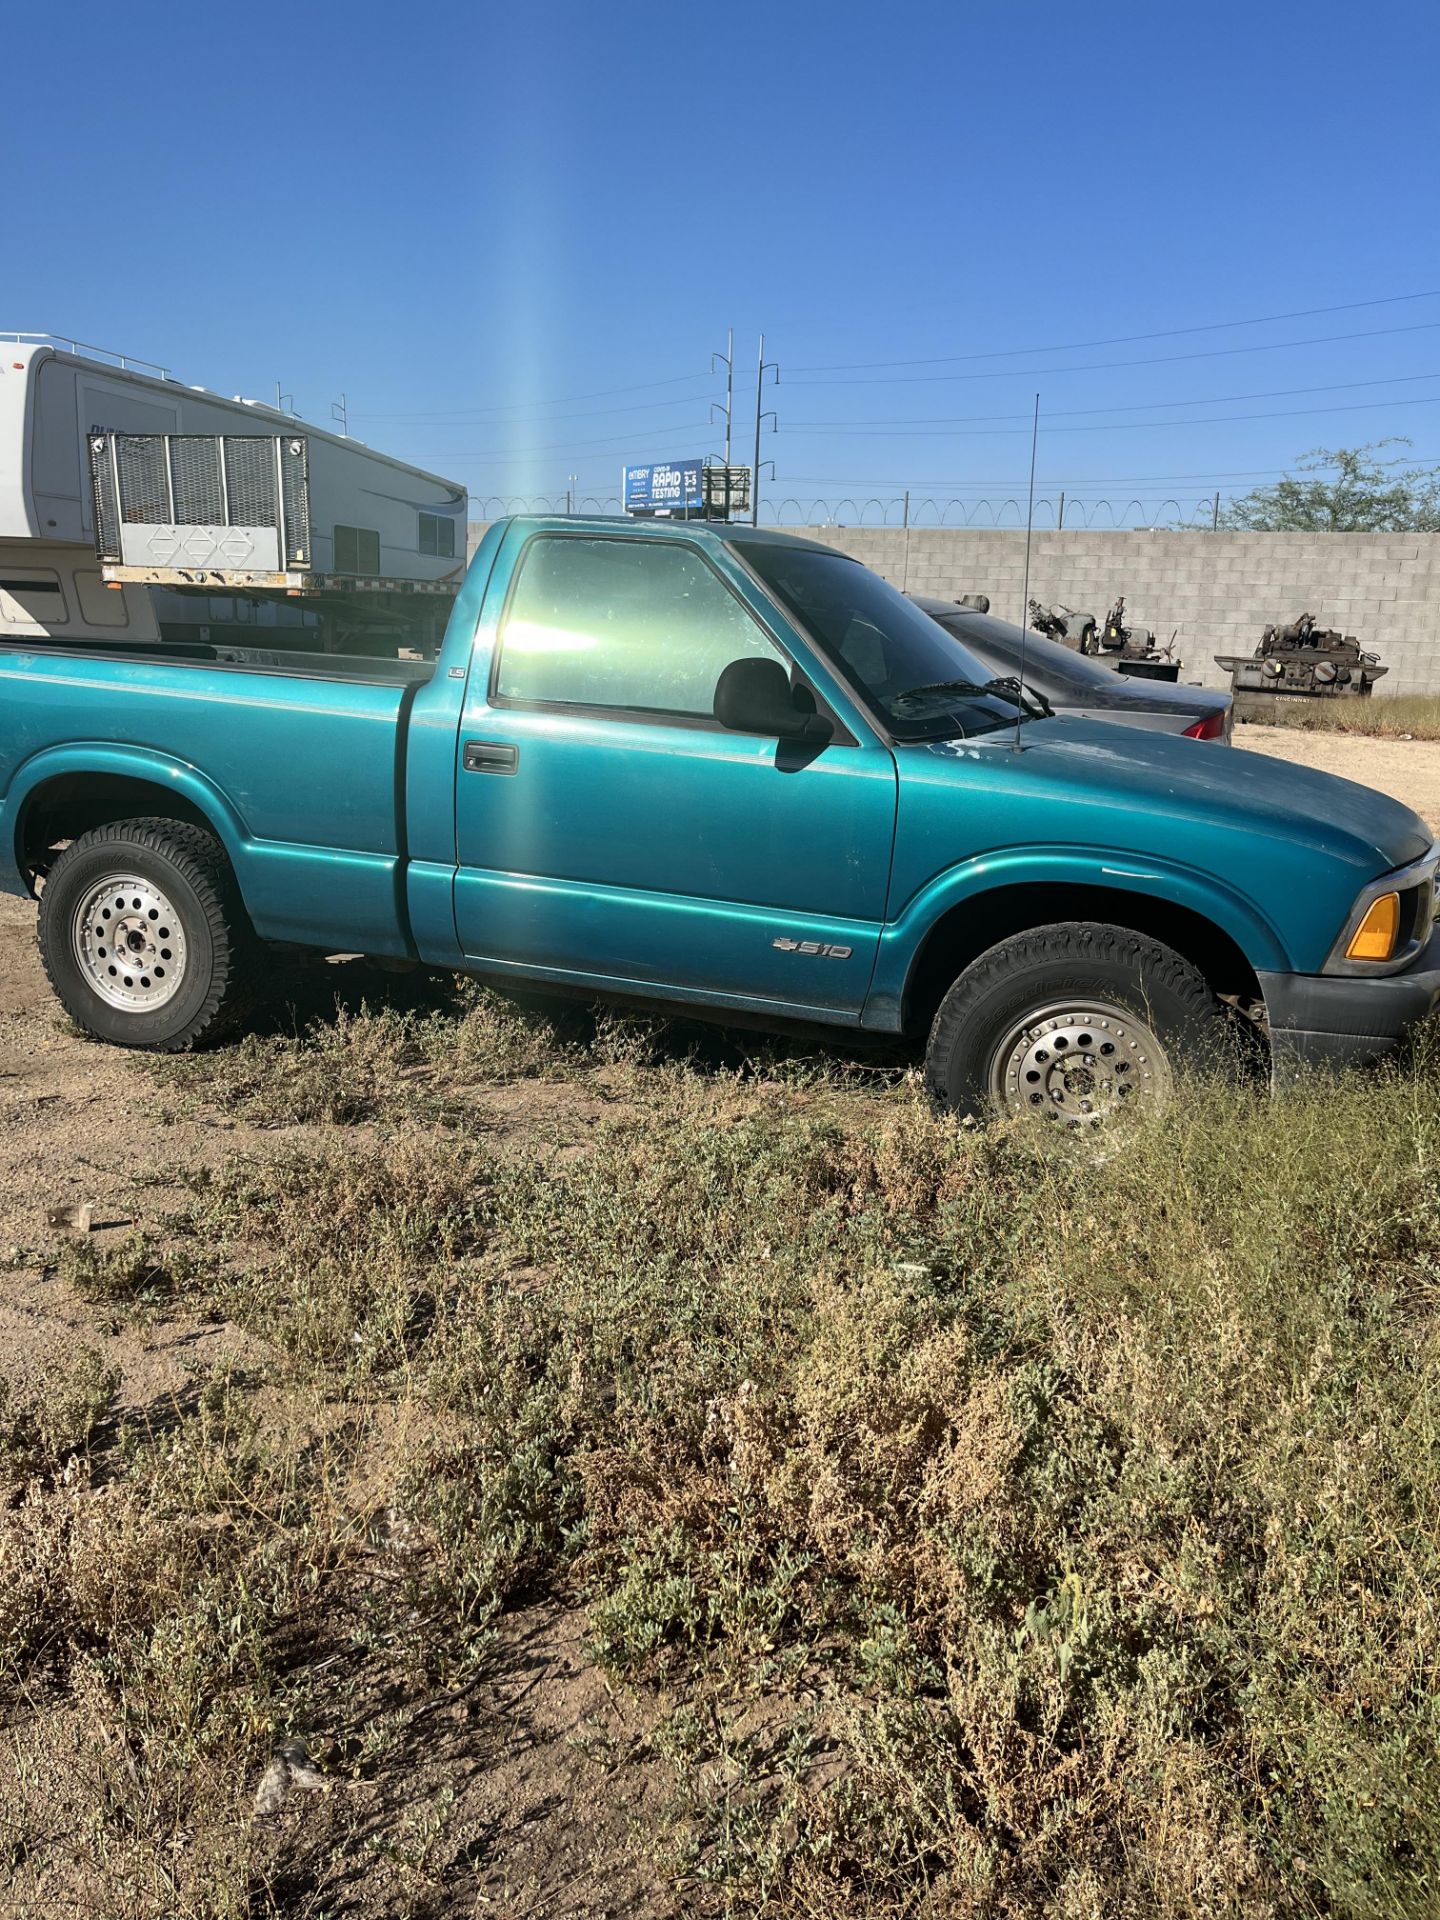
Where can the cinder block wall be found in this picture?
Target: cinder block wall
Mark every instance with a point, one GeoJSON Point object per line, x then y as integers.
{"type": "Point", "coordinates": [1218, 589]}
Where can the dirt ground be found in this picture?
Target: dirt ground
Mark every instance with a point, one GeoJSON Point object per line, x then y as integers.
{"type": "Point", "coordinates": [79, 1124]}
{"type": "Point", "coordinates": [1408, 769]}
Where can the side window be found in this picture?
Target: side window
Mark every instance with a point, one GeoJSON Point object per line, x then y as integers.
{"type": "Point", "coordinates": [100, 605]}
{"type": "Point", "coordinates": [437, 535]}
{"type": "Point", "coordinates": [640, 624]}
{"type": "Point", "coordinates": [357, 550]}
{"type": "Point", "coordinates": [32, 597]}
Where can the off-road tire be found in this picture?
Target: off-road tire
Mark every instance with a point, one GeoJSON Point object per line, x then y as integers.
{"type": "Point", "coordinates": [189, 868]}
{"type": "Point", "coordinates": [1080, 961]}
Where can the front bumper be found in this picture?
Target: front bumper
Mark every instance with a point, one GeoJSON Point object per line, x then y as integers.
{"type": "Point", "coordinates": [1345, 1020]}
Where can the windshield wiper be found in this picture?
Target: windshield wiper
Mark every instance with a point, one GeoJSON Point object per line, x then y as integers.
{"type": "Point", "coordinates": [1007, 687]}
{"type": "Point", "coordinates": [1047, 712]}
{"type": "Point", "coordinates": [944, 686]}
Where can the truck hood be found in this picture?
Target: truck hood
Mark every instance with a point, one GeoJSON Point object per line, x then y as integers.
{"type": "Point", "coordinates": [1167, 784]}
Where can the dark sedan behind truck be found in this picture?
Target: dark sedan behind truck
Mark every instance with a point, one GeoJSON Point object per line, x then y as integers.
{"type": "Point", "coordinates": [1073, 684]}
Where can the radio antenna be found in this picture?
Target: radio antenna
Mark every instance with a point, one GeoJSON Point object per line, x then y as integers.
{"type": "Point", "coordinates": [1025, 589]}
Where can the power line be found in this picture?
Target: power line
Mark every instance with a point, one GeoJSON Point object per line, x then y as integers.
{"type": "Point", "coordinates": [1103, 480]}
{"type": "Point", "coordinates": [1140, 406]}
{"type": "Point", "coordinates": [562, 446]}
{"type": "Point", "coordinates": [555, 419]}
{"type": "Point", "coordinates": [1109, 366]}
{"type": "Point", "coordinates": [604, 393]}
{"type": "Point", "coordinates": [1131, 426]}
{"type": "Point", "coordinates": [1121, 339]}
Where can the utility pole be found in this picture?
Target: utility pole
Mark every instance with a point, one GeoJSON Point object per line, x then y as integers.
{"type": "Point", "coordinates": [762, 367]}
{"type": "Point", "coordinates": [728, 358]}
{"type": "Point", "coordinates": [728, 410]}
{"type": "Point", "coordinates": [340, 410]}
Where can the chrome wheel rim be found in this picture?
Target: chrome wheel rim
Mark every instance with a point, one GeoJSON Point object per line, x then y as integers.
{"type": "Point", "coordinates": [1079, 1064]}
{"type": "Point", "coordinates": [129, 943]}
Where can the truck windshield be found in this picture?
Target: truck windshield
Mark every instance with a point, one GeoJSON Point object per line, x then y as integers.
{"type": "Point", "coordinates": [924, 683]}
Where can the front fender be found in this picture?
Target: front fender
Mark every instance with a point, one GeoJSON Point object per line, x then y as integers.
{"type": "Point", "coordinates": [1202, 893]}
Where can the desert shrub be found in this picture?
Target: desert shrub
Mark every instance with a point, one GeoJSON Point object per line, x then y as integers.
{"type": "Point", "coordinates": [1009, 1526]}
{"type": "Point", "coordinates": [376, 1063]}
{"type": "Point", "coordinates": [1409, 716]}
{"type": "Point", "coordinates": [52, 1419]}
{"type": "Point", "coordinates": [1102, 1468]}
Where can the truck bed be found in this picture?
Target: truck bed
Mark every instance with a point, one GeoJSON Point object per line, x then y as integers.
{"type": "Point", "coordinates": [301, 761]}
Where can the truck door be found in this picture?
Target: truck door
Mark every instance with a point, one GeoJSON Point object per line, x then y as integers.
{"type": "Point", "coordinates": [609, 830]}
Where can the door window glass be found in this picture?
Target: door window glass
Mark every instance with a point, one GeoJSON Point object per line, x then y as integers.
{"type": "Point", "coordinates": [638, 624]}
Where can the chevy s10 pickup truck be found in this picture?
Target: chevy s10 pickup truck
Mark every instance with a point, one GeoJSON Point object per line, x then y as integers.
{"type": "Point", "coordinates": [686, 764]}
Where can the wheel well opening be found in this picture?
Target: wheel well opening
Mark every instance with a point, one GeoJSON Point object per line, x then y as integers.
{"type": "Point", "coordinates": [73, 803]}
{"type": "Point", "coordinates": [973, 927]}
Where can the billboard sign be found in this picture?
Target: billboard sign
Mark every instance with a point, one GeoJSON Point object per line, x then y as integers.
{"type": "Point", "coordinates": [666, 486]}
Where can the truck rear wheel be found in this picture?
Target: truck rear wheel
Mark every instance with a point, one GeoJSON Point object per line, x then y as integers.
{"type": "Point", "coordinates": [1072, 1025]}
{"type": "Point", "coordinates": [144, 937]}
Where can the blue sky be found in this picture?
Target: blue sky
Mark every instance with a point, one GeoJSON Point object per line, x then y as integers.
{"type": "Point", "coordinates": [513, 236]}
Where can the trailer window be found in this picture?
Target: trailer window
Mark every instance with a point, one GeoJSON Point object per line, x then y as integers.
{"type": "Point", "coordinates": [32, 597]}
{"type": "Point", "coordinates": [357, 550]}
{"type": "Point", "coordinates": [437, 535]}
{"type": "Point", "coordinates": [100, 605]}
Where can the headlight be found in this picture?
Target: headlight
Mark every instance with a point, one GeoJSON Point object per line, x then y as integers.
{"type": "Point", "coordinates": [1390, 922]}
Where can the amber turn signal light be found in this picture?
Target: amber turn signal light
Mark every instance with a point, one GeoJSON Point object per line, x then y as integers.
{"type": "Point", "coordinates": [1374, 938]}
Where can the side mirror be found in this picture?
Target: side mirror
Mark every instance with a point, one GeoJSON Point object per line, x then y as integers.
{"type": "Point", "coordinates": [755, 696]}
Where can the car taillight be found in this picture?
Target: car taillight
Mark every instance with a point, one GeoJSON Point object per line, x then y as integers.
{"type": "Point", "coordinates": [1212, 727]}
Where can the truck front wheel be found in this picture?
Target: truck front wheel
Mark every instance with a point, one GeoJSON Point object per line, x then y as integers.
{"type": "Point", "coordinates": [1072, 1025]}
{"type": "Point", "coordinates": [143, 935]}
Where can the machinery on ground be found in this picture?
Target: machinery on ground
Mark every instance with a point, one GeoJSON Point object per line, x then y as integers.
{"type": "Point", "coordinates": [1302, 660]}
{"type": "Point", "coordinates": [1133, 650]}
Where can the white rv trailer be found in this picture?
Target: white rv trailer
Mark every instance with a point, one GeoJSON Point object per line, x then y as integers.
{"type": "Point", "coordinates": [76, 560]}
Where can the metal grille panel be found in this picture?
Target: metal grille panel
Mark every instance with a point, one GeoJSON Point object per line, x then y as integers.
{"type": "Point", "coordinates": [232, 502]}
{"type": "Point", "coordinates": [250, 480]}
{"type": "Point", "coordinates": [107, 512]}
{"type": "Point", "coordinates": [295, 490]}
{"type": "Point", "coordinates": [144, 491]}
{"type": "Point", "coordinates": [199, 496]}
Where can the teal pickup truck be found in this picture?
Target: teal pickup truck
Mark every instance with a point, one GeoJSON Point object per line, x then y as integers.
{"type": "Point", "coordinates": [706, 766]}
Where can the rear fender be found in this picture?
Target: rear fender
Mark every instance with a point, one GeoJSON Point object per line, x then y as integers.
{"type": "Point", "coordinates": [88, 759]}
